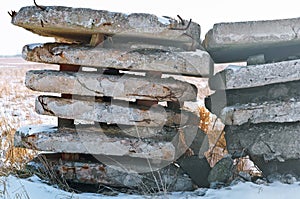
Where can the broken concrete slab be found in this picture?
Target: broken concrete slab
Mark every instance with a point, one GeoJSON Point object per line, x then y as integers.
{"type": "Point", "coordinates": [87, 172]}
{"type": "Point", "coordinates": [196, 63]}
{"type": "Point", "coordinates": [270, 141]}
{"type": "Point", "coordinates": [114, 112]}
{"type": "Point", "coordinates": [112, 140]}
{"type": "Point", "coordinates": [277, 40]}
{"type": "Point", "coordinates": [276, 111]}
{"type": "Point", "coordinates": [79, 24]}
{"type": "Point", "coordinates": [237, 77]}
{"type": "Point", "coordinates": [93, 141]}
{"type": "Point", "coordinates": [115, 86]}
{"type": "Point", "coordinates": [272, 92]}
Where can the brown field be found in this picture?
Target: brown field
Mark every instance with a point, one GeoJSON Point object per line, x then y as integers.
{"type": "Point", "coordinates": [17, 108]}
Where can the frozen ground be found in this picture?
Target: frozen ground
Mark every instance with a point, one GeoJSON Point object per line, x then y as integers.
{"type": "Point", "coordinates": [34, 188]}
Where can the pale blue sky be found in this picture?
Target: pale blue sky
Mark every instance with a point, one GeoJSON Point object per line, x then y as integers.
{"type": "Point", "coordinates": [206, 13]}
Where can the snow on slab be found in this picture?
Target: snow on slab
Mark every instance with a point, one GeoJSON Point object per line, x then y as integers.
{"type": "Point", "coordinates": [34, 188]}
{"type": "Point", "coordinates": [33, 129]}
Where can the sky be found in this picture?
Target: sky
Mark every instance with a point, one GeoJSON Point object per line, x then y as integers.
{"type": "Point", "coordinates": [206, 13]}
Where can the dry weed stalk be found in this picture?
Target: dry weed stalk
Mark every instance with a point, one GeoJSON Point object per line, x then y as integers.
{"type": "Point", "coordinates": [14, 158]}
{"type": "Point", "coordinates": [215, 135]}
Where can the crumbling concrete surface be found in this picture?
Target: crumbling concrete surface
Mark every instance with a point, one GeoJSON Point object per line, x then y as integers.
{"type": "Point", "coordinates": [122, 86]}
{"type": "Point", "coordinates": [95, 172]}
{"type": "Point", "coordinates": [261, 113]}
{"type": "Point", "coordinates": [238, 77]}
{"type": "Point", "coordinates": [270, 141]}
{"type": "Point", "coordinates": [196, 63]}
{"type": "Point", "coordinates": [79, 24]}
{"type": "Point", "coordinates": [276, 40]}
{"type": "Point", "coordinates": [114, 112]}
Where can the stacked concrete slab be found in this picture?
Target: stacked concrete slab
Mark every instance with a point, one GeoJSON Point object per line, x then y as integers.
{"type": "Point", "coordinates": [259, 103]}
{"type": "Point", "coordinates": [112, 129]}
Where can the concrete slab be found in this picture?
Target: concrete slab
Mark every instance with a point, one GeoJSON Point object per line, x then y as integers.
{"type": "Point", "coordinates": [79, 24]}
{"type": "Point", "coordinates": [280, 112]}
{"type": "Point", "coordinates": [237, 77]}
{"type": "Point", "coordinates": [95, 172]}
{"type": "Point", "coordinates": [114, 112]}
{"type": "Point", "coordinates": [277, 40]}
{"type": "Point", "coordinates": [116, 86]}
{"type": "Point", "coordinates": [95, 141]}
{"type": "Point", "coordinates": [272, 92]}
{"type": "Point", "coordinates": [270, 141]}
{"type": "Point", "coordinates": [195, 63]}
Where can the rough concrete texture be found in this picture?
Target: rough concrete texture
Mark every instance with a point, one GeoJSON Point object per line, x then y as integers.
{"type": "Point", "coordinates": [196, 63]}
{"type": "Point", "coordinates": [87, 172]}
{"type": "Point", "coordinates": [114, 112]}
{"type": "Point", "coordinates": [88, 141]}
{"type": "Point", "coordinates": [115, 86]}
{"type": "Point", "coordinates": [78, 24]}
{"type": "Point", "coordinates": [222, 171]}
{"type": "Point", "coordinates": [278, 111]}
{"type": "Point", "coordinates": [272, 92]}
{"type": "Point", "coordinates": [197, 168]}
{"type": "Point", "coordinates": [275, 166]}
{"type": "Point", "coordinates": [142, 142]}
{"type": "Point", "coordinates": [277, 40]}
{"type": "Point", "coordinates": [236, 77]}
{"type": "Point", "coordinates": [269, 141]}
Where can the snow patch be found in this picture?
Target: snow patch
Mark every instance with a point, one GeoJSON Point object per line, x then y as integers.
{"type": "Point", "coordinates": [33, 46]}
{"type": "Point", "coordinates": [234, 68]}
{"type": "Point", "coordinates": [33, 129]}
{"type": "Point", "coordinates": [164, 20]}
{"type": "Point", "coordinates": [34, 188]}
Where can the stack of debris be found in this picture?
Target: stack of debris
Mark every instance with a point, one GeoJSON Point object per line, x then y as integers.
{"type": "Point", "coordinates": [259, 103]}
{"type": "Point", "coordinates": [113, 128]}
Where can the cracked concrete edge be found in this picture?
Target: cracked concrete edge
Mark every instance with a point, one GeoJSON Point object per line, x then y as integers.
{"type": "Point", "coordinates": [114, 112]}
{"type": "Point", "coordinates": [195, 63]}
{"type": "Point", "coordinates": [270, 141]}
{"type": "Point", "coordinates": [75, 23]}
{"type": "Point", "coordinates": [88, 172]}
{"type": "Point", "coordinates": [279, 112]}
{"type": "Point", "coordinates": [239, 77]}
{"type": "Point", "coordinates": [250, 38]}
{"type": "Point", "coordinates": [84, 141]}
{"type": "Point", "coordinates": [125, 86]}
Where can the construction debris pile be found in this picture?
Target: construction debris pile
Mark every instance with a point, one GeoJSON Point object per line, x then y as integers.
{"type": "Point", "coordinates": [122, 120]}
{"type": "Point", "coordinates": [259, 103]}
{"type": "Point", "coordinates": [121, 116]}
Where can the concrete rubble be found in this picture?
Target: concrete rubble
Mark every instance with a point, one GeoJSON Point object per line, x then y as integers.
{"type": "Point", "coordinates": [258, 103]}
{"type": "Point", "coordinates": [112, 75]}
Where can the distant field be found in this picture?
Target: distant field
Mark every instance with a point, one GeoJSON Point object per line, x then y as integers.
{"type": "Point", "coordinates": [17, 107]}
{"type": "Point", "coordinates": [16, 100]}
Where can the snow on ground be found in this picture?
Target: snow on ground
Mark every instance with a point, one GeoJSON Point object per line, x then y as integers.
{"type": "Point", "coordinates": [34, 188]}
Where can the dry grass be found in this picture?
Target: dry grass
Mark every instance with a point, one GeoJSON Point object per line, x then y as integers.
{"type": "Point", "coordinates": [17, 104]}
